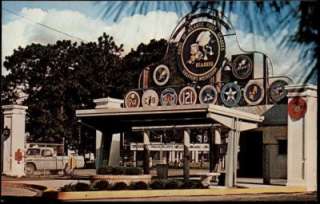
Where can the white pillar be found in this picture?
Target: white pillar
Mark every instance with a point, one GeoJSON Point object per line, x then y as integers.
{"type": "Point", "coordinates": [114, 156]}
{"type": "Point", "coordinates": [302, 139]}
{"type": "Point", "coordinates": [135, 157]}
{"type": "Point", "coordinates": [14, 145]}
{"type": "Point", "coordinates": [196, 156]}
{"type": "Point", "coordinates": [99, 151]}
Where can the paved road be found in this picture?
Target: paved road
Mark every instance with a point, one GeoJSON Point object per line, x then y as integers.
{"type": "Point", "coordinates": [306, 197]}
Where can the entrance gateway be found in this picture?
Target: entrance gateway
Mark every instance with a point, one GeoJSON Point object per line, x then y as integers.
{"type": "Point", "coordinates": [219, 93]}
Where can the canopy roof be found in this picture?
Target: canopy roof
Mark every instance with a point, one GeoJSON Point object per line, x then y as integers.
{"type": "Point", "coordinates": [121, 119]}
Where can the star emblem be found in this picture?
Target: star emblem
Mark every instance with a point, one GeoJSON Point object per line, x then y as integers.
{"type": "Point", "coordinates": [230, 94]}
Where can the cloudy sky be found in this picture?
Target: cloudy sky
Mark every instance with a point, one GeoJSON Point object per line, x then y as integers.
{"type": "Point", "coordinates": [130, 23]}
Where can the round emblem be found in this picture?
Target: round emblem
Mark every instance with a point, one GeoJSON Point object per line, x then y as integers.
{"type": "Point", "coordinates": [161, 75]}
{"type": "Point", "coordinates": [150, 98]}
{"type": "Point", "coordinates": [253, 93]}
{"type": "Point", "coordinates": [277, 91]}
{"type": "Point", "coordinates": [132, 100]}
{"type": "Point", "coordinates": [230, 94]}
{"type": "Point", "coordinates": [201, 51]}
{"type": "Point", "coordinates": [208, 94]}
{"type": "Point", "coordinates": [187, 96]}
{"type": "Point", "coordinates": [297, 108]}
{"type": "Point", "coordinates": [168, 97]}
{"type": "Point", "coordinates": [243, 67]}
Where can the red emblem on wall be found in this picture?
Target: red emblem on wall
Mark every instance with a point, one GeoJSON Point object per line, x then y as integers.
{"type": "Point", "coordinates": [297, 107]}
{"type": "Point", "coordinates": [18, 156]}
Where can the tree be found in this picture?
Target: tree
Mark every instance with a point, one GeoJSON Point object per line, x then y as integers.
{"type": "Point", "coordinates": [288, 13]}
{"type": "Point", "coordinates": [60, 78]}
{"type": "Point", "coordinates": [135, 61]}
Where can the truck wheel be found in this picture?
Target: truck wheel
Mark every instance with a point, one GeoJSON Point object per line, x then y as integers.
{"type": "Point", "coordinates": [29, 169]}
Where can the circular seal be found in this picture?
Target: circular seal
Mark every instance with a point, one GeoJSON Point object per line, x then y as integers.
{"type": "Point", "coordinates": [168, 97]}
{"type": "Point", "coordinates": [253, 93]}
{"type": "Point", "coordinates": [230, 94]}
{"type": "Point", "coordinates": [208, 94]}
{"type": "Point", "coordinates": [150, 98]}
{"type": "Point", "coordinates": [132, 99]}
{"type": "Point", "coordinates": [201, 51]}
{"type": "Point", "coordinates": [297, 108]}
{"type": "Point", "coordinates": [161, 75]}
{"type": "Point", "coordinates": [277, 91]}
{"type": "Point", "coordinates": [187, 96]}
{"type": "Point", "coordinates": [243, 67]}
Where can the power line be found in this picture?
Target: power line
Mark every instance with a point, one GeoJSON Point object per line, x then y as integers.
{"type": "Point", "coordinates": [43, 25]}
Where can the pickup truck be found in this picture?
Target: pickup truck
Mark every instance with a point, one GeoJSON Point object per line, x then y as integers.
{"type": "Point", "coordinates": [45, 158]}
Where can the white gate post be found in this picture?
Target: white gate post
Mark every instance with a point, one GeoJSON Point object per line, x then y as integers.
{"type": "Point", "coordinates": [302, 137]}
{"type": "Point", "coordinates": [14, 145]}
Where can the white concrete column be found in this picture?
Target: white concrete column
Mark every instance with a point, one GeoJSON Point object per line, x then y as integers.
{"type": "Point", "coordinates": [134, 158]}
{"type": "Point", "coordinates": [302, 139]}
{"type": "Point", "coordinates": [14, 145]}
{"type": "Point", "coordinates": [196, 156]}
{"type": "Point", "coordinates": [99, 149]}
{"type": "Point", "coordinates": [229, 159]}
{"type": "Point", "coordinates": [114, 156]}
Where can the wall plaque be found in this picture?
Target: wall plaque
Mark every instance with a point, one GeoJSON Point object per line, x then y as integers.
{"type": "Point", "coordinates": [208, 94]}
{"type": "Point", "coordinates": [161, 75]}
{"type": "Point", "coordinates": [201, 51]}
{"type": "Point", "coordinates": [253, 93]}
{"type": "Point", "coordinates": [132, 100]}
{"type": "Point", "coordinates": [168, 97]}
{"type": "Point", "coordinates": [187, 96]}
{"type": "Point", "coordinates": [230, 94]}
{"type": "Point", "coordinates": [150, 98]}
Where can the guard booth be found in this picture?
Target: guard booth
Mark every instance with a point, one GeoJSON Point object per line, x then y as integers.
{"type": "Point", "coordinates": [201, 83]}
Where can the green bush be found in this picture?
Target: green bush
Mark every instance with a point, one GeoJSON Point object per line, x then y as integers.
{"type": "Point", "coordinates": [173, 184]}
{"type": "Point", "coordinates": [119, 186]}
{"type": "Point", "coordinates": [101, 185]}
{"type": "Point", "coordinates": [138, 185]}
{"type": "Point", "coordinates": [105, 170]}
{"type": "Point", "coordinates": [191, 185]}
{"type": "Point", "coordinates": [133, 171]}
{"type": "Point", "coordinates": [120, 170]}
{"type": "Point", "coordinates": [67, 188]}
{"type": "Point", "coordinates": [159, 184]}
{"type": "Point", "coordinates": [81, 187]}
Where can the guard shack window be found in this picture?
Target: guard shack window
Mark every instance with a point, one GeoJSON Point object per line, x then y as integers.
{"type": "Point", "coordinates": [282, 147]}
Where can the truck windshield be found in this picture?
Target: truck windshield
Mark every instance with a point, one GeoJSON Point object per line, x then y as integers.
{"type": "Point", "coordinates": [33, 151]}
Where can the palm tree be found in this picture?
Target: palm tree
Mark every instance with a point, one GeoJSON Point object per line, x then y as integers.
{"type": "Point", "coordinates": [299, 17]}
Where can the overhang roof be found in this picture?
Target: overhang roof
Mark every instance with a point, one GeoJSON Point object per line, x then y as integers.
{"type": "Point", "coordinates": [168, 115]}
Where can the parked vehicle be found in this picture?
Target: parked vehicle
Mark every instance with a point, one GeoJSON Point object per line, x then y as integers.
{"type": "Point", "coordinates": [45, 158]}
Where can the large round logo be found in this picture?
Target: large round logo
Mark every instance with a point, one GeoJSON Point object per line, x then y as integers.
{"type": "Point", "coordinates": [150, 98]}
{"type": "Point", "coordinates": [277, 91]}
{"type": "Point", "coordinates": [230, 94]}
{"type": "Point", "coordinates": [243, 67]}
{"type": "Point", "coordinates": [161, 75]}
{"type": "Point", "coordinates": [297, 108]}
{"type": "Point", "coordinates": [132, 100]}
{"type": "Point", "coordinates": [168, 97]}
{"type": "Point", "coordinates": [201, 51]}
{"type": "Point", "coordinates": [253, 93]}
{"type": "Point", "coordinates": [187, 96]}
{"type": "Point", "coordinates": [208, 94]}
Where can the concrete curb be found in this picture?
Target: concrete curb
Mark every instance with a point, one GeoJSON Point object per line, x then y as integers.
{"type": "Point", "coordinates": [32, 187]}
{"type": "Point", "coordinates": [167, 193]}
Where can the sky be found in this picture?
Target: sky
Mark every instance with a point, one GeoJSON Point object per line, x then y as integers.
{"type": "Point", "coordinates": [132, 23]}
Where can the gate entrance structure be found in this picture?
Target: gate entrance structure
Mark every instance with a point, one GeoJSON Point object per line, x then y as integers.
{"type": "Point", "coordinates": [217, 119]}
{"type": "Point", "coordinates": [201, 83]}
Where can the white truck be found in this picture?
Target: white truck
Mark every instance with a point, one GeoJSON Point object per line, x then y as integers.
{"type": "Point", "coordinates": [45, 158]}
